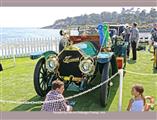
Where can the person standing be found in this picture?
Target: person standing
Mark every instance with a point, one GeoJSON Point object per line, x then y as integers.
{"type": "Point", "coordinates": [55, 101]}
{"type": "Point", "coordinates": [126, 34]}
{"type": "Point", "coordinates": [154, 35]}
{"type": "Point", "coordinates": [134, 37]}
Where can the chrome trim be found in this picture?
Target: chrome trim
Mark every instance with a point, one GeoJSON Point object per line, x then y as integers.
{"type": "Point", "coordinates": [54, 59]}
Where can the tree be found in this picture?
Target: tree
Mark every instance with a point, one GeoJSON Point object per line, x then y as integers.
{"type": "Point", "coordinates": [125, 16]}
{"type": "Point", "coordinates": [142, 16]}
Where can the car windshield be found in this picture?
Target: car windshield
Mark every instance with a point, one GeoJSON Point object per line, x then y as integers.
{"type": "Point", "coordinates": [87, 47]}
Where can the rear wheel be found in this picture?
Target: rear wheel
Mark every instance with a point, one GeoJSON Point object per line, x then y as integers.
{"type": "Point", "coordinates": [41, 78]}
{"type": "Point", "coordinates": [105, 89]}
{"type": "Point", "coordinates": [124, 64]}
{"type": "Point", "coordinates": [114, 65]}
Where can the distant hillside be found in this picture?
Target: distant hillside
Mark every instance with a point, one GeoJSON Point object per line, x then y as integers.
{"type": "Point", "coordinates": [126, 16]}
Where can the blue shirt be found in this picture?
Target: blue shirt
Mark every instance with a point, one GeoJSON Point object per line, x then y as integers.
{"type": "Point", "coordinates": [137, 106]}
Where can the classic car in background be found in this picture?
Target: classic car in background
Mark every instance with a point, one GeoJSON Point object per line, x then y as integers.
{"type": "Point", "coordinates": [79, 60]}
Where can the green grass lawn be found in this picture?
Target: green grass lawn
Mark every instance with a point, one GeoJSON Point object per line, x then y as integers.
{"type": "Point", "coordinates": [17, 84]}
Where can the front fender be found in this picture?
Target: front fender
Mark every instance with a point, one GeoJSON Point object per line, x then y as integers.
{"type": "Point", "coordinates": [37, 55]}
{"type": "Point", "coordinates": [108, 57]}
{"type": "Point", "coordinates": [47, 53]}
{"type": "Point", "coordinates": [104, 57]}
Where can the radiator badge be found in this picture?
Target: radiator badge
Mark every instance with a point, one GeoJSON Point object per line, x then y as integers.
{"type": "Point", "coordinates": [68, 59]}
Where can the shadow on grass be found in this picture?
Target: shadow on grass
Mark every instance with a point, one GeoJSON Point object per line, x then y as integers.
{"type": "Point", "coordinates": [91, 101]}
{"type": "Point", "coordinates": [30, 107]}
{"type": "Point", "coordinates": [131, 61]}
{"type": "Point", "coordinates": [155, 70]}
{"type": "Point", "coordinates": [87, 102]}
{"type": "Point", "coordinates": [9, 67]}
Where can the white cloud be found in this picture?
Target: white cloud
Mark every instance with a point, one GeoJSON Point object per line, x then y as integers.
{"type": "Point", "coordinates": [43, 16]}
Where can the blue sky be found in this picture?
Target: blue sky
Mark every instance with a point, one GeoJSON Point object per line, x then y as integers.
{"type": "Point", "coordinates": [43, 16]}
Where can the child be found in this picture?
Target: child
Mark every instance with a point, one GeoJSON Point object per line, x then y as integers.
{"type": "Point", "coordinates": [137, 103]}
{"type": "Point", "coordinates": [55, 95]}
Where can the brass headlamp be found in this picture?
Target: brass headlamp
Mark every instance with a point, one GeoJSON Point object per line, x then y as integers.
{"type": "Point", "coordinates": [52, 63]}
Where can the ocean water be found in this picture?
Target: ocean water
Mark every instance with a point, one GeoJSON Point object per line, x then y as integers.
{"type": "Point", "coordinates": [22, 33]}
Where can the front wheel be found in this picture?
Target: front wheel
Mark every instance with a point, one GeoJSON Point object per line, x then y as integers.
{"type": "Point", "coordinates": [105, 89]}
{"type": "Point", "coordinates": [41, 78]}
